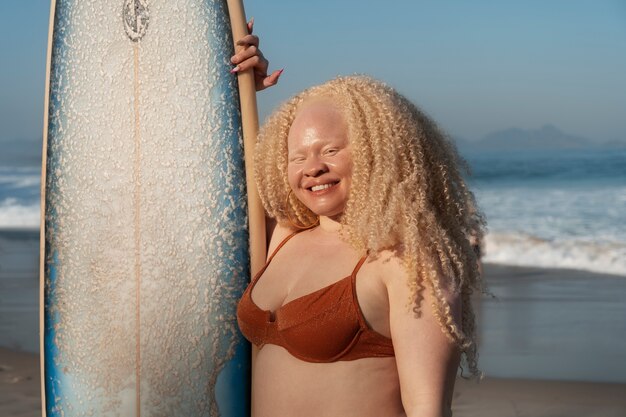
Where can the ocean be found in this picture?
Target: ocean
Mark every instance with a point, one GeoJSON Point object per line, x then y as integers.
{"type": "Point", "coordinates": [554, 209]}
{"type": "Point", "coordinates": [558, 210]}
{"type": "Point", "coordinates": [19, 197]}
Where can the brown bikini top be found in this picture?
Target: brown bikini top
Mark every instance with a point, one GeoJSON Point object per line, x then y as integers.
{"type": "Point", "coordinates": [326, 325]}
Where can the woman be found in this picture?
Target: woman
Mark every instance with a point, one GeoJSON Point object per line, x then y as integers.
{"type": "Point", "coordinates": [363, 308]}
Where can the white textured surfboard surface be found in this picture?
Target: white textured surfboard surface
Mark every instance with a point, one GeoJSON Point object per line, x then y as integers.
{"type": "Point", "coordinates": [146, 238]}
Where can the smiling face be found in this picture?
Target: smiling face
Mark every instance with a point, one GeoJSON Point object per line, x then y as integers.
{"type": "Point", "coordinates": [319, 166]}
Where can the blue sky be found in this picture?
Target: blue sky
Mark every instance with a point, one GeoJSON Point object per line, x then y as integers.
{"type": "Point", "coordinates": [475, 66]}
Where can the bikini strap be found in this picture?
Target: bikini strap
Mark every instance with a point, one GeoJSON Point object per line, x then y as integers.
{"type": "Point", "coordinates": [355, 300]}
{"type": "Point", "coordinates": [280, 245]}
{"type": "Point", "coordinates": [357, 267]}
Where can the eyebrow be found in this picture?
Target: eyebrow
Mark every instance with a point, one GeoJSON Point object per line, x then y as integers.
{"type": "Point", "coordinates": [324, 142]}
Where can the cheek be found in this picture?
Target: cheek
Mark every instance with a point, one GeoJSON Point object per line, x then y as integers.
{"type": "Point", "coordinates": [346, 167]}
{"type": "Point", "coordinates": [292, 176]}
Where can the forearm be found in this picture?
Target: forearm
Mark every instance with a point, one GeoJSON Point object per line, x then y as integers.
{"type": "Point", "coordinates": [432, 405]}
{"type": "Point", "coordinates": [430, 412]}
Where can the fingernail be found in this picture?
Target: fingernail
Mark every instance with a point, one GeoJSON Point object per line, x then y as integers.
{"type": "Point", "coordinates": [280, 71]}
{"type": "Point", "coordinates": [251, 20]}
{"type": "Point", "coordinates": [234, 70]}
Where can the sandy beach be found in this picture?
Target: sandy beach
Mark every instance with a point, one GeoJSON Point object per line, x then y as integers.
{"type": "Point", "coordinates": [20, 392]}
{"type": "Point", "coordinates": [555, 324]}
{"type": "Point", "coordinates": [497, 397]}
{"type": "Point", "coordinates": [552, 340]}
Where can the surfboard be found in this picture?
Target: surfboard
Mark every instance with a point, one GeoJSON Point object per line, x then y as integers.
{"type": "Point", "coordinates": [144, 212]}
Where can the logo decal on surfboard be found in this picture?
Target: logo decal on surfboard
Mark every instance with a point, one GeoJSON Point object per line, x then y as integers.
{"type": "Point", "coordinates": [135, 15]}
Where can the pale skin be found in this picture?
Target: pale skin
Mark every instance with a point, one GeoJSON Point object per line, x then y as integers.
{"type": "Point", "coordinates": [249, 56]}
{"type": "Point", "coordinates": [419, 380]}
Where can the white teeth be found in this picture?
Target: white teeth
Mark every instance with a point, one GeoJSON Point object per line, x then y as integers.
{"type": "Point", "coordinates": [321, 187]}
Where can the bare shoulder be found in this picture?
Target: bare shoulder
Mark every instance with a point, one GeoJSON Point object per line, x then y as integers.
{"type": "Point", "coordinates": [388, 266]}
{"type": "Point", "coordinates": [279, 233]}
{"type": "Point", "coordinates": [400, 284]}
{"type": "Point", "coordinates": [389, 269]}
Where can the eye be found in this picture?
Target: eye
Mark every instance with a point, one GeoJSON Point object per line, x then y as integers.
{"type": "Point", "coordinates": [331, 151]}
{"type": "Point", "coordinates": [296, 159]}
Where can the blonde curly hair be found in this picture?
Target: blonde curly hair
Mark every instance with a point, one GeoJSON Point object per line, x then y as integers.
{"type": "Point", "coordinates": [407, 194]}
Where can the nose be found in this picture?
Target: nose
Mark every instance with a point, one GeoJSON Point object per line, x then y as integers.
{"type": "Point", "coordinates": [314, 167]}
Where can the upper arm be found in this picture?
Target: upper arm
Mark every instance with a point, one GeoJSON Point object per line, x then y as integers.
{"type": "Point", "coordinates": [426, 358]}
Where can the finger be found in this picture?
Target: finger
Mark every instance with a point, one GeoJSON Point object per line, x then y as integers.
{"type": "Point", "coordinates": [255, 62]}
{"type": "Point", "coordinates": [250, 24]}
{"type": "Point", "coordinates": [248, 40]}
{"type": "Point", "coordinates": [247, 53]}
{"type": "Point", "coordinates": [261, 65]}
{"type": "Point", "coordinates": [272, 79]}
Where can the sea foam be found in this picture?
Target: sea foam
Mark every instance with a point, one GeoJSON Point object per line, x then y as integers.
{"type": "Point", "coordinates": [598, 255]}
{"type": "Point", "coordinates": [13, 214]}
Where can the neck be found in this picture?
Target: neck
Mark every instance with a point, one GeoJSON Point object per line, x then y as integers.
{"type": "Point", "coordinates": [329, 225]}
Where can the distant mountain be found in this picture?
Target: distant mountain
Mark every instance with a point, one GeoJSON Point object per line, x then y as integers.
{"type": "Point", "coordinates": [20, 152]}
{"type": "Point", "coordinates": [548, 137]}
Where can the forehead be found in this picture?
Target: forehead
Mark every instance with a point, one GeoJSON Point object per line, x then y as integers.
{"type": "Point", "coordinates": [317, 120]}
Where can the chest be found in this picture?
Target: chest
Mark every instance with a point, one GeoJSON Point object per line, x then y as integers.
{"type": "Point", "coordinates": [294, 276]}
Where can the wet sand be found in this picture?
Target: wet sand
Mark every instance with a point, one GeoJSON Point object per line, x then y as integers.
{"type": "Point", "coordinates": [19, 384]}
{"type": "Point", "coordinates": [554, 324]}
{"type": "Point", "coordinates": [496, 397]}
{"type": "Point", "coordinates": [19, 289]}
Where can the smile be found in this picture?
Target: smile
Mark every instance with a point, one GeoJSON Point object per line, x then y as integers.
{"type": "Point", "coordinates": [322, 186]}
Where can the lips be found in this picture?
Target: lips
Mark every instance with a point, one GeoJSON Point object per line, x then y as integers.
{"type": "Point", "coordinates": [322, 187]}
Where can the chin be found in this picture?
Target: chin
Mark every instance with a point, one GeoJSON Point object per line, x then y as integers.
{"type": "Point", "coordinates": [327, 207]}
{"type": "Point", "coordinates": [327, 212]}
